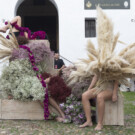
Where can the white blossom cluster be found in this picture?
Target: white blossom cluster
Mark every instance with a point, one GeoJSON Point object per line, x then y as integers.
{"type": "Point", "coordinates": [20, 81]}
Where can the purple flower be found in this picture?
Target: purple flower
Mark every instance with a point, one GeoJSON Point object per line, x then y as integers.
{"type": "Point", "coordinates": [74, 114]}
{"type": "Point", "coordinates": [40, 34]}
{"type": "Point", "coordinates": [7, 37]}
{"type": "Point", "coordinates": [77, 122]}
{"type": "Point", "coordinates": [40, 51]}
{"type": "Point", "coordinates": [74, 102]}
{"type": "Point", "coordinates": [62, 106]}
{"type": "Point", "coordinates": [67, 111]}
{"type": "Point", "coordinates": [35, 69]}
{"type": "Point", "coordinates": [6, 23]}
{"type": "Point", "coordinates": [71, 106]}
{"type": "Point", "coordinates": [79, 103]}
{"type": "Point", "coordinates": [81, 116]}
{"type": "Point", "coordinates": [71, 96]}
{"type": "Point", "coordinates": [68, 117]}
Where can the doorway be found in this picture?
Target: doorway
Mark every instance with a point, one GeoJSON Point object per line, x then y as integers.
{"type": "Point", "coordinates": [41, 15]}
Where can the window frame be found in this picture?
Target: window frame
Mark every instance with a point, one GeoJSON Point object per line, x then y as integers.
{"type": "Point", "coordinates": [88, 35]}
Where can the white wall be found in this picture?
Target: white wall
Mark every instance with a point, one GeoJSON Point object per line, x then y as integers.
{"type": "Point", "coordinates": [72, 28]}
{"type": "Point", "coordinates": [72, 41]}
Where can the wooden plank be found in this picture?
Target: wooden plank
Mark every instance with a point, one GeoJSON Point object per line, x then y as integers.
{"type": "Point", "coordinates": [47, 43]}
{"type": "Point", "coordinates": [110, 113]}
{"type": "Point", "coordinates": [120, 110]}
{"type": "Point", "coordinates": [0, 110]}
{"type": "Point", "coordinates": [114, 112]}
{"type": "Point", "coordinates": [13, 109]}
{"type": "Point", "coordinates": [21, 107]}
{"type": "Point", "coordinates": [16, 115]}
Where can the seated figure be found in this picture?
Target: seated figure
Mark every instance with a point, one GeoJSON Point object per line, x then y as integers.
{"type": "Point", "coordinates": [17, 20]}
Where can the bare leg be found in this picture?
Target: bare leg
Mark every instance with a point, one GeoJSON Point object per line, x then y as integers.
{"type": "Point", "coordinates": [26, 34]}
{"type": "Point", "coordinates": [59, 119]}
{"type": "Point", "coordinates": [101, 97]}
{"type": "Point", "coordinates": [54, 104]}
{"type": "Point", "coordinates": [19, 22]}
{"type": "Point", "coordinates": [42, 105]}
{"type": "Point", "coordinates": [6, 27]}
{"type": "Point", "coordinates": [47, 80]}
{"type": "Point", "coordinates": [86, 105]}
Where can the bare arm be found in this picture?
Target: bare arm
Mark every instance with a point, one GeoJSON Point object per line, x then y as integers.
{"type": "Point", "coordinates": [115, 92]}
{"type": "Point", "coordinates": [93, 82]}
{"type": "Point", "coordinates": [62, 67]}
{"type": "Point", "coordinates": [59, 70]}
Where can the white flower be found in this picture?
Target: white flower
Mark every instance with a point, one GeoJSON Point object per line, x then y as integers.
{"type": "Point", "coordinates": [20, 80]}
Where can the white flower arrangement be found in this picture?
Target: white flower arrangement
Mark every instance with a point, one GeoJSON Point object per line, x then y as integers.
{"type": "Point", "coordinates": [20, 81]}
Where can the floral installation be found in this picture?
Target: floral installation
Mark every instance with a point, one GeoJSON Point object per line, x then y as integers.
{"type": "Point", "coordinates": [40, 51]}
{"type": "Point", "coordinates": [39, 34]}
{"type": "Point", "coordinates": [16, 76]}
{"type": "Point", "coordinates": [103, 60]}
{"type": "Point", "coordinates": [66, 72]}
{"type": "Point", "coordinates": [35, 68]}
{"type": "Point", "coordinates": [73, 106]}
{"type": "Point", "coordinates": [80, 86]}
{"type": "Point", "coordinates": [35, 55]}
{"type": "Point", "coordinates": [57, 88]}
{"type": "Point", "coordinates": [38, 56]}
{"type": "Point", "coordinates": [73, 110]}
{"type": "Point", "coordinates": [43, 55]}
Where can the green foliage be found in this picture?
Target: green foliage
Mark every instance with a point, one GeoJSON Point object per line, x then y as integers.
{"type": "Point", "coordinates": [129, 104]}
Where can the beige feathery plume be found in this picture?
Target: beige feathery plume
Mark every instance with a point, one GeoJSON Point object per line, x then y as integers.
{"type": "Point", "coordinates": [91, 49]}
{"type": "Point", "coordinates": [115, 40]}
{"type": "Point", "coordinates": [7, 45]}
{"type": "Point", "coordinates": [86, 61]}
{"type": "Point", "coordinates": [128, 70]}
{"type": "Point", "coordinates": [121, 61]}
{"type": "Point", "coordinates": [105, 34]}
{"type": "Point", "coordinates": [125, 50]}
{"type": "Point", "coordinates": [103, 61]}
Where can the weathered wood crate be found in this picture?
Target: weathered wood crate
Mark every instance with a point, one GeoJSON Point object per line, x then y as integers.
{"type": "Point", "coordinates": [14, 109]}
{"type": "Point", "coordinates": [47, 43]}
{"type": "Point", "coordinates": [114, 112]}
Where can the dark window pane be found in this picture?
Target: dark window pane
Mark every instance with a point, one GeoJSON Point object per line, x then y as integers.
{"type": "Point", "coordinates": [90, 28]}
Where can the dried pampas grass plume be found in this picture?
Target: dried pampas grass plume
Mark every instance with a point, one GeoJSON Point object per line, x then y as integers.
{"type": "Point", "coordinates": [103, 61]}
{"type": "Point", "coordinates": [7, 45]}
{"type": "Point", "coordinates": [105, 35]}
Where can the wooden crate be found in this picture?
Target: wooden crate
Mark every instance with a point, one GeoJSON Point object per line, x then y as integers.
{"type": "Point", "coordinates": [47, 43]}
{"type": "Point", "coordinates": [14, 109]}
{"type": "Point", "coordinates": [114, 112]}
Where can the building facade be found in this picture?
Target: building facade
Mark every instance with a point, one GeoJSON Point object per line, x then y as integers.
{"type": "Point", "coordinates": [70, 23]}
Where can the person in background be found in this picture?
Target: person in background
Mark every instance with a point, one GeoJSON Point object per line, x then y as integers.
{"type": "Point", "coordinates": [58, 63]}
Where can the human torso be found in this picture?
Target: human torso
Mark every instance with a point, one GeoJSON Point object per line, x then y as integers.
{"type": "Point", "coordinates": [58, 63]}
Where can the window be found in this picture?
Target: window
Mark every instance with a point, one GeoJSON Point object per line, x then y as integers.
{"type": "Point", "coordinates": [90, 27]}
{"type": "Point", "coordinates": [38, 2]}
